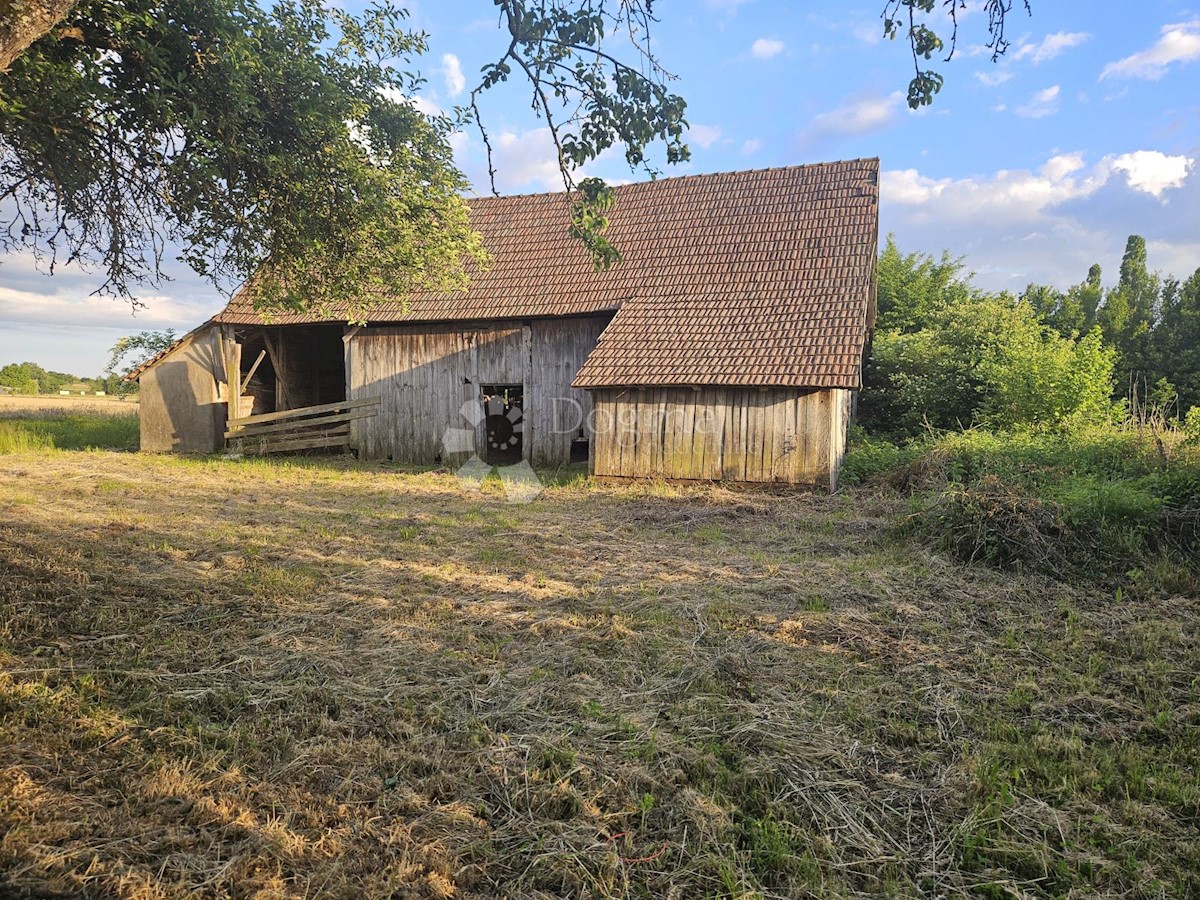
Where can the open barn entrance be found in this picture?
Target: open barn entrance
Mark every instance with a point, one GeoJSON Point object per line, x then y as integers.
{"type": "Point", "coordinates": [293, 367]}
{"type": "Point", "coordinates": [290, 391]}
{"type": "Point", "coordinates": [504, 424]}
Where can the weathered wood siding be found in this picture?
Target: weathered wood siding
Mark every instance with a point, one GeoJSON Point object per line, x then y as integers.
{"type": "Point", "coordinates": [556, 413]}
{"type": "Point", "coordinates": [424, 374]}
{"type": "Point", "coordinates": [721, 434]}
{"type": "Point", "coordinates": [180, 407]}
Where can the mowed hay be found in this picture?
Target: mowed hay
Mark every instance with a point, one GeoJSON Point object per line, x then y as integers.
{"type": "Point", "coordinates": [279, 679]}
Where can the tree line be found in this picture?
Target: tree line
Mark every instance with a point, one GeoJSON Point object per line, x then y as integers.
{"type": "Point", "coordinates": [948, 355]}
{"type": "Point", "coordinates": [30, 378]}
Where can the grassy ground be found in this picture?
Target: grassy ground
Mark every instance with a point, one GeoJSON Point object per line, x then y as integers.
{"type": "Point", "coordinates": [67, 423]}
{"type": "Point", "coordinates": [239, 678]}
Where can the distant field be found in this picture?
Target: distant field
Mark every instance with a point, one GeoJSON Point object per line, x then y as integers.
{"type": "Point", "coordinates": [52, 404]}
{"type": "Point", "coordinates": [329, 679]}
{"type": "Point", "coordinates": [67, 423]}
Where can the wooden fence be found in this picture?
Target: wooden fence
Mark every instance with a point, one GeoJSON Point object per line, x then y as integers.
{"type": "Point", "coordinates": [308, 428]}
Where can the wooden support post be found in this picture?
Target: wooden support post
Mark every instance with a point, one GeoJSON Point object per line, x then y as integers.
{"type": "Point", "coordinates": [275, 352]}
{"type": "Point", "coordinates": [233, 377]}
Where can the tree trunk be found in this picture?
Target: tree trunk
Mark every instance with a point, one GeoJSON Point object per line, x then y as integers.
{"type": "Point", "coordinates": [24, 21]}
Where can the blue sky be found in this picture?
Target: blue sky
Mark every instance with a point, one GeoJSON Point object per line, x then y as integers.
{"type": "Point", "coordinates": [1032, 168]}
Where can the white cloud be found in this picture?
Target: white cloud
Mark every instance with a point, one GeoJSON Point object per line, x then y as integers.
{"type": "Point", "coordinates": [526, 161]}
{"type": "Point", "coordinates": [1050, 224]}
{"type": "Point", "coordinates": [765, 48]}
{"type": "Point", "coordinates": [1043, 103]}
{"type": "Point", "coordinates": [869, 32]}
{"type": "Point", "coordinates": [994, 78]}
{"type": "Point", "coordinates": [704, 135]}
{"type": "Point", "coordinates": [856, 116]}
{"type": "Point", "coordinates": [1050, 46]}
{"type": "Point", "coordinates": [452, 72]}
{"type": "Point", "coordinates": [57, 322]}
{"type": "Point", "coordinates": [1179, 43]}
{"type": "Point", "coordinates": [751, 146]}
{"type": "Point", "coordinates": [426, 106]}
{"type": "Point", "coordinates": [1153, 172]}
{"type": "Point", "coordinates": [82, 310]}
{"type": "Point", "coordinates": [1020, 193]}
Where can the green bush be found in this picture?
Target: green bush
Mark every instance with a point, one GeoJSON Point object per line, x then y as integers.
{"type": "Point", "coordinates": [1191, 425]}
{"type": "Point", "coordinates": [1097, 502]}
{"type": "Point", "coordinates": [869, 458]}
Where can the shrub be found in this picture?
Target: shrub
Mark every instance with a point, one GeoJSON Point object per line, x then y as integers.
{"type": "Point", "coordinates": [869, 458]}
{"type": "Point", "coordinates": [1191, 425]}
{"type": "Point", "coordinates": [1098, 502]}
{"type": "Point", "coordinates": [989, 521]}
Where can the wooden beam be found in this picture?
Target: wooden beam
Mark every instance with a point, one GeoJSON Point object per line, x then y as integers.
{"type": "Point", "coordinates": [337, 439]}
{"type": "Point", "coordinates": [222, 376]}
{"type": "Point", "coordinates": [252, 431]}
{"type": "Point", "coordinates": [233, 379]}
{"type": "Point", "coordinates": [254, 368]}
{"type": "Point", "coordinates": [281, 394]}
{"type": "Point", "coordinates": [306, 411]}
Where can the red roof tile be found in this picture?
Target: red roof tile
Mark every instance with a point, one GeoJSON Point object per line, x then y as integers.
{"type": "Point", "coordinates": [759, 277]}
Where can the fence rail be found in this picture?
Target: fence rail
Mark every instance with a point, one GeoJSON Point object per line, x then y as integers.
{"type": "Point", "coordinates": [307, 428]}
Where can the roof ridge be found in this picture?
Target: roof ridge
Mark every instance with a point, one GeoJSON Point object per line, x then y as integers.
{"type": "Point", "coordinates": [688, 177]}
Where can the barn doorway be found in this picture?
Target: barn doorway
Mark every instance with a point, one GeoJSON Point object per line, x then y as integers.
{"type": "Point", "coordinates": [293, 366]}
{"type": "Point", "coordinates": [503, 423]}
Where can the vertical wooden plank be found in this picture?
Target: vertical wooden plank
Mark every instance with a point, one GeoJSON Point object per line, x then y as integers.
{"type": "Point", "coordinates": [803, 439]}
{"type": "Point", "coordinates": [699, 465]}
{"type": "Point", "coordinates": [728, 467]}
{"type": "Point", "coordinates": [652, 430]}
{"type": "Point", "coordinates": [620, 459]}
{"type": "Point", "coordinates": [601, 463]}
{"type": "Point", "coordinates": [750, 452]}
{"type": "Point", "coordinates": [823, 431]}
{"type": "Point", "coordinates": [785, 435]}
{"type": "Point", "coordinates": [528, 432]}
{"type": "Point", "coordinates": [724, 396]}
{"type": "Point", "coordinates": [664, 408]}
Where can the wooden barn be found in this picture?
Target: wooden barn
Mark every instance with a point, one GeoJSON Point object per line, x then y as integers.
{"type": "Point", "coordinates": [727, 344]}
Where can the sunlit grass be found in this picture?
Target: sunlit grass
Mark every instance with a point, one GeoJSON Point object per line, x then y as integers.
{"type": "Point", "coordinates": [324, 678]}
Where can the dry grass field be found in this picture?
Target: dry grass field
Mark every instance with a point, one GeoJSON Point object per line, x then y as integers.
{"type": "Point", "coordinates": [20, 405]}
{"type": "Point", "coordinates": [226, 678]}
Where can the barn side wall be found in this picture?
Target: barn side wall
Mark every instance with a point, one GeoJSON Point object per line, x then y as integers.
{"type": "Point", "coordinates": [179, 407]}
{"type": "Point", "coordinates": [424, 374]}
{"type": "Point", "coordinates": [721, 434]}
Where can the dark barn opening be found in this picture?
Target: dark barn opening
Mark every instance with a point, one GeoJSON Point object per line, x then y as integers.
{"type": "Point", "coordinates": [504, 424]}
{"type": "Point", "coordinates": [300, 365]}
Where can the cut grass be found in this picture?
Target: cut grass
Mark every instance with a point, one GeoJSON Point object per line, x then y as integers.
{"type": "Point", "coordinates": [319, 678]}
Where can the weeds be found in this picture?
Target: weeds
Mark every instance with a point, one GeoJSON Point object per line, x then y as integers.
{"type": "Point", "coordinates": [73, 425]}
{"type": "Point", "coordinates": [1100, 504]}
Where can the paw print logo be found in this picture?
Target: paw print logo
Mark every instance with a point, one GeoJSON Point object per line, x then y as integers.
{"type": "Point", "coordinates": [498, 420]}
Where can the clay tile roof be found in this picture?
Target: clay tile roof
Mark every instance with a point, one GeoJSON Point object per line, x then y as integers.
{"type": "Point", "coordinates": [759, 277]}
{"type": "Point", "coordinates": [773, 287]}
